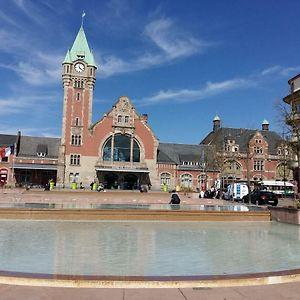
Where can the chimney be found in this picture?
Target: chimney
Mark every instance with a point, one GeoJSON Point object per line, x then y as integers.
{"type": "Point", "coordinates": [145, 118]}
{"type": "Point", "coordinates": [265, 125]}
{"type": "Point", "coordinates": [217, 123]}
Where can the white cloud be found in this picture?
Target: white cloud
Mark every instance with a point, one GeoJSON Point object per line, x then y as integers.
{"type": "Point", "coordinates": [189, 95]}
{"type": "Point", "coordinates": [29, 8]}
{"type": "Point", "coordinates": [9, 20]}
{"type": "Point", "coordinates": [42, 70]}
{"type": "Point", "coordinates": [24, 101]}
{"type": "Point", "coordinates": [270, 70]}
{"type": "Point", "coordinates": [173, 42]}
{"type": "Point", "coordinates": [215, 88]}
{"type": "Point", "coordinates": [118, 7]}
{"type": "Point", "coordinates": [281, 71]}
{"type": "Point", "coordinates": [30, 131]}
{"type": "Point", "coordinates": [290, 71]}
{"type": "Point", "coordinates": [10, 43]}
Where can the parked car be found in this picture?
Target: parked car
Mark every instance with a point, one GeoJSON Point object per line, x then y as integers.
{"type": "Point", "coordinates": [262, 198]}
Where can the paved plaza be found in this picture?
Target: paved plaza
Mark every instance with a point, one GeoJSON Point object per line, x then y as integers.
{"type": "Point", "coordinates": [108, 197]}
{"type": "Point", "coordinates": [275, 291]}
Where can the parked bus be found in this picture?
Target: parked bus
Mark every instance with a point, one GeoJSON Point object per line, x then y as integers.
{"type": "Point", "coordinates": [280, 188]}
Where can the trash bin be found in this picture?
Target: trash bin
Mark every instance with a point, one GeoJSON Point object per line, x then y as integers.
{"type": "Point", "coordinates": [94, 186]}
{"type": "Point", "coordinates": [74, 186]}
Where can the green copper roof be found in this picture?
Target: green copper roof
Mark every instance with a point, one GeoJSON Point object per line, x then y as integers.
{"type": "Point", "coordinates": [80, 49]}
{"type": "Point", "coordinates": [265, 122]}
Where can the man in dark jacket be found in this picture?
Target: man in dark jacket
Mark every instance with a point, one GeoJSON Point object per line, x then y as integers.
{"type": "Point", "coordinates": [174, 198]}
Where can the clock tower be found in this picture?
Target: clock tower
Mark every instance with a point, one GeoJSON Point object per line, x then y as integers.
{"type": "Point", "coordinates": [79, 77]}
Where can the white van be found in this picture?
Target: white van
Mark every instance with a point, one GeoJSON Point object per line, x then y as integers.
{"type": "Point", "coordinates": [236, 191]}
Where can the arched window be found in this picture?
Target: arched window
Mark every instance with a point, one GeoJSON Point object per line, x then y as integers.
{"type": "Point", "coordinates": [186, 180]}
{"type": "Point", "coordinates": [202, 182]}
{"type": "Point", "coordinates": [165, 178]}
{"type": "Point", "coordinates": [122, 149]}
{"type": "Point", "coordinates": [232, 168]}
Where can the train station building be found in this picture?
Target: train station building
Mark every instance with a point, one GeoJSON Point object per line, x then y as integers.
{"type": "Point", "coordinates": [121, 151]}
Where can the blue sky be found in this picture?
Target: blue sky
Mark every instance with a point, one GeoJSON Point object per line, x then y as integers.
{"type": "Point", "coordinates": [181, 62]}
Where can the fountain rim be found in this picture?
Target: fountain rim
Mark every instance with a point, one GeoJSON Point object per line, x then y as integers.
{"type": "Point", "coordinates": [194, 281]}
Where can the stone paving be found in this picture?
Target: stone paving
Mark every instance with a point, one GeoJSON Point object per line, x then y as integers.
{"type": "Point", "coordinates": [289, 291]}
{"type": "Point", "coordinates": [274, 292]}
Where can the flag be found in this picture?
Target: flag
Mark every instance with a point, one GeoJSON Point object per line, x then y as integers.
{"type": "Point", "coordinates": [2, 152]}
{"type": "Point", "coordinates": [9, 150]}
{"type": "Point", "coordinates": [6, 151]}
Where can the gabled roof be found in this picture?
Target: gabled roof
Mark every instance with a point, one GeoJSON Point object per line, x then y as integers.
{"type": "Point", "coordinates": [30, 146]}
{"type": "Point", "coordinates": [80, 48]}
{"type": "Point", "coordinates": [177, 153]}
{"type": "Point", "coordinates": [241, 137]}
{"type": "Point", "coordinates": [7, 140]}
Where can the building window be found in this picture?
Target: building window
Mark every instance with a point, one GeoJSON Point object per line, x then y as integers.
{"type": "Point", "coordinates": [75, 159]}
{"type": "Point", "coordinates": [258, 165]}
{"type": "Point", "coordinates": [126, 119]}
{"type": "Point", "coordinates": [122, 149]}
{"type": "Point", "coordinates": [4, 158]}
{"type": "Point", "coordinates": [186, 180]}
{"type": "Point", "coordinates": [79, 84]}
{"type": "Point", "coordinates": [227, 147]}
{"type": "Point", "coordinates": [165, 178]}
{"type": "Point", "coordinates": [202, 182]}
{"type": "Point", "coordinates": [76, 140]}
{"type": "Point", "coordinates": [76, 121]}
{"type": "Point", "coordinates": [296, 107]}
{"type": "Point", "coordinates": [120, 119]}
{"type": "Point", "coordinates": [257, 141]}
{"type": "Point", "coordinates": [74, 177]}
{"type": "Point", "coordinates": [78, 96]}
{"type": "Point", "coordinates": [258, 150]}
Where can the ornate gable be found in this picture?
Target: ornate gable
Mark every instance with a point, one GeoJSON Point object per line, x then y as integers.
{"type": "Point", "coordinates": [123, 114]}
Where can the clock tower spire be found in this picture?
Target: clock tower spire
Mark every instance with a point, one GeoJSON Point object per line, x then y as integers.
{"type": "Point", "coordinates": [79, 77]}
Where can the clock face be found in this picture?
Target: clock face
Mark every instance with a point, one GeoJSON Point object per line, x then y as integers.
{"type": "Point", "coordinates": [79, 67]}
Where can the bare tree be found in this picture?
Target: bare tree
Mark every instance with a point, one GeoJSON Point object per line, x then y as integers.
{"type": "Point", "coordinates": [289, 121]}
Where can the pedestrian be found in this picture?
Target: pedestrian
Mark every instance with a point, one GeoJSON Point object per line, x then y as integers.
{"type": "Point", "coordinates": [174, 198]}
{"type": "Point", "coordinates": [201, 193]}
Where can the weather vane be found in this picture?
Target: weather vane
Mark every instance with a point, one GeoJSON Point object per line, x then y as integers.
{"type": "Point", "coordinates": [82, 16]}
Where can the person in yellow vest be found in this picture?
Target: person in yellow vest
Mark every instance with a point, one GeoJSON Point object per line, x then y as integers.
{"type": "Point", "coordinates": [51, 184]}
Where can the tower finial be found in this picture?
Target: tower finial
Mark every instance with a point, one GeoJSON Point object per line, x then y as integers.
{"type": "Point", "coordinates": [82, 16]}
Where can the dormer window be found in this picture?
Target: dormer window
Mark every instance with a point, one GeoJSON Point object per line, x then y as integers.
{"type": "Point", "coordinates": [41, 154]}
{"type": "Point", "coordinates": [42, 150]}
